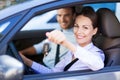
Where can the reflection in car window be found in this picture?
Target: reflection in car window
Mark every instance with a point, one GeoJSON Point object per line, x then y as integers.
{"type": "Point", "coordinates": [3, 26]}
{"type": "Point", "coordinates": [53, 20]}
{"type": "Point", "coordinates": [115, 7]}
{"type": "Point", "coordinates": [8, 23]}
{"type": "Point", "coordinates": [96, 6]}
{"type": "Point", "coordinates": [118, 11]}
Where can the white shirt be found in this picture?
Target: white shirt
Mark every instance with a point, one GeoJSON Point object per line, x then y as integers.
{"type": "Point", "coordinates": [49, 60]}
{"type": "Point", "coordinates": [90, 57]}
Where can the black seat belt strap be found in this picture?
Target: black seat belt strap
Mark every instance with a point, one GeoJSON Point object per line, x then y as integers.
{"type": "Point", "coordinates": [57, 53]}
{"type": "Point", "coordinates": [70, 64]}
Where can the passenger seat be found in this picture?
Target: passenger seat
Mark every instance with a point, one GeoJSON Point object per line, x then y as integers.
{"type": "Point", "coordinates": [109, 27]}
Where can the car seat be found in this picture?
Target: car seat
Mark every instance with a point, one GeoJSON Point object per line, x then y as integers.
{"type": "Point", "coordinates": [109, 28]}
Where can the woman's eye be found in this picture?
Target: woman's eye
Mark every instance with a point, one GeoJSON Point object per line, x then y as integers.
{"type": "Point", "coordinates": [85, 26]}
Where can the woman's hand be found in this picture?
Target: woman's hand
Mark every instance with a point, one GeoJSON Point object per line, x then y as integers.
{"type": "Point", "coordinates": [56, 36]}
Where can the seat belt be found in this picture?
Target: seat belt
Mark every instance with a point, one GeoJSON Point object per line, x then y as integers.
{"type": "Point", "coordinates": [70, 64]}
{"type": "Point", "coordinates": [57, 58]}
{"type": "Point", "coordinates": [57, 54]}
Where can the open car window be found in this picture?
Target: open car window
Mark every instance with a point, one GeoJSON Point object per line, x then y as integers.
{"type": "Point", "coordinates": [48, 20]}
{"type": "Point", "coordinates": [7, 24]}
{"type": "Point", "coordinates": [43, 21]}
{"type": "Point", "coordinates": [28, 28]}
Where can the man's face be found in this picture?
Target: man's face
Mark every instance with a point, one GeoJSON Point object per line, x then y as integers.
{"type": "Point", "coordinates": [65, 17]}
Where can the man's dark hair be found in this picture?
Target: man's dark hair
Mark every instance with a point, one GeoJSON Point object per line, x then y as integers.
{"type": "Point", "coordinates": [73, 9]}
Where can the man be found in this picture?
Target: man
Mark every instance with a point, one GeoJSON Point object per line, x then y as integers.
{"type": "Point", "coordinates": [65, 18]}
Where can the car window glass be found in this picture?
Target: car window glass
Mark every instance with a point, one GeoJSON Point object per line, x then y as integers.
{"type": "Point", "coordinates": [96, 6]}
{"type": "Point", "coordinates": [8, 23]}
{"type": "Point", "coordinates": [53, 20]}
{"type": "Point", "coordinates": [43, 21]}
{"type": "Point", "coordinates": [115, 7]}
{"type": "Point", "coordinates": [118, 11]}
{"type": "Point", "coordinates": [48, 20]}
{"type": "Point", "coordinates": [3, 26]}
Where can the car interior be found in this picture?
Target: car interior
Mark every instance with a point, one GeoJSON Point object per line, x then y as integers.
{"type": "Point", "coordinates": [108, 39]}
{"type": "Point", "coordinates": [109, 28]}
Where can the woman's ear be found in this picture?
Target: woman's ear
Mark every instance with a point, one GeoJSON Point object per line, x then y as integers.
{"type": "Point", "coordinates": [95, 31]}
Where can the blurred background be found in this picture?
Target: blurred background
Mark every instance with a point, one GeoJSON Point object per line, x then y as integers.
{"type": "Point", "coordinates": [7, 3]}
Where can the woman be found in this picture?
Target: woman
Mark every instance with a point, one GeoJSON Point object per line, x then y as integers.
{"type": "Point", "coordinates": [84, 55]}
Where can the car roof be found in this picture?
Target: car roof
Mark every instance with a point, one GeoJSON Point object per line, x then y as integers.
{"type": "Point", "coordinates": [33, 3]}
{"type": "Point", "coordinates": [21, 7]}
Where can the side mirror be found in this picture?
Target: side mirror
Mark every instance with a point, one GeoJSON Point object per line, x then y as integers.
{"type": "Point", "coordinates": [10, 68]}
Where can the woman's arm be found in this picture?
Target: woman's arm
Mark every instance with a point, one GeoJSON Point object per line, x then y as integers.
{"type": "Point", "coordinates": [58, 37]}
{"type": "Point", "coordinates": [36, 66]}
{"type": "Point", "coordinates": [93, 59]}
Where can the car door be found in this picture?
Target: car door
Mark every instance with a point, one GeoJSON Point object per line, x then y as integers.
{"type": "Point", "coordinates": [13, 33]}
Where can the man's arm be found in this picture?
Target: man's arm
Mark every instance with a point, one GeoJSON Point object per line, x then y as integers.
{"type": "Point", "coordinates": [28, 51]}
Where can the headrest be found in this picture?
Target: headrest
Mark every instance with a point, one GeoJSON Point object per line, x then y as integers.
{"type": "Point", "coordinates": [108, 23]}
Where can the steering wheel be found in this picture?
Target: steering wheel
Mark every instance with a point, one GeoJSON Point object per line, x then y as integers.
{"type": "Point", "coordinates": [14, 53]}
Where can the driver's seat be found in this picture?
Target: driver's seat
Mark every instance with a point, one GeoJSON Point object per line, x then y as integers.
{"type": "Point", "coordinates": [109, 27]}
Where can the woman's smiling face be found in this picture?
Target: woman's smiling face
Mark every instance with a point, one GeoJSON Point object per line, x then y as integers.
{"type": "Point", "coordinates": [83, 30]}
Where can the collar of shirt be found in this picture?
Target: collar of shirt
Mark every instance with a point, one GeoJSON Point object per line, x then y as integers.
{"type": "Point", "coordinates": [91, 47]}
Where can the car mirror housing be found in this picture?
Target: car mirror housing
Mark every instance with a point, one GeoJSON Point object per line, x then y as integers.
{"type": "Point", "coordinates": [10, 68]}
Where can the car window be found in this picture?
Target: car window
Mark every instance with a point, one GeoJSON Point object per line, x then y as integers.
{"type": "Point", "coordinates": [48, 19]}
{"type": "Point", "coordinates": [6, 24]}
{"type": "Point", "coordinates": [115, 7]}
{"type": "Point", "coordinates": [96, 6]}
{"type": "Point", "coordinates": [43, 21]}
{"type": "Point", "coordinates": [53, 20]}
{"type": "Point", "coordinates": [118, 11]}
{"type": "Point", "coordinates": [3, 26]}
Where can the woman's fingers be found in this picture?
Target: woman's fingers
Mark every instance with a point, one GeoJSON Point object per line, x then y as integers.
{"type": "Point", "coordinates": [56, 36]}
